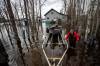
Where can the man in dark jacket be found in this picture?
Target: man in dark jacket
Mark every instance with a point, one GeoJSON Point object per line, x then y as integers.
{"type": "Point", "coordinates": [3, 55]}
{"type": "Point", "coordinates": [54, 35]}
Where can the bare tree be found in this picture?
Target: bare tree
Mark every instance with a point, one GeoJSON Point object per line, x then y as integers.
{"type": "Point", "coordinates": [27, 14]}
{"type": "Point", "coordinates": [18, 18]}
{"type": "Point", "coordinates": [11, 16]}
{"type": "Point", "coordinates": [98, 16]}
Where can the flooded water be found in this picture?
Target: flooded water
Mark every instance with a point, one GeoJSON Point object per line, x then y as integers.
{"type": "Point", "coordinates": [13, 52]}
{"type": "Point", "coordinates": [90, 55]}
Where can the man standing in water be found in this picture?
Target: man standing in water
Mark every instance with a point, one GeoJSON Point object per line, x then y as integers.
{"type": "Point", "coordinates": [3, 55]}
{"type": "Point", "coordinates": [72, 37]}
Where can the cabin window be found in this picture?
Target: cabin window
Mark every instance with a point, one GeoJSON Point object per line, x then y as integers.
{"type": "Point", "coordinates": [47, 17]}
{"type": "Point", "coordinates": [51, 12]}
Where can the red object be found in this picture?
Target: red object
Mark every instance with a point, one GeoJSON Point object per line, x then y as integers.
{"type": "Point", "coordinates": [75, 34]}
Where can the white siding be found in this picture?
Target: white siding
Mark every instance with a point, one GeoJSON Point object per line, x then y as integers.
{"type": "Point", "coordinates": [53, 16]}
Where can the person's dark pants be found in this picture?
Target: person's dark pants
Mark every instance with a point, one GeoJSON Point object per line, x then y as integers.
{"type": "Point", "coordinates": [60, 37]}
{"type": "Point", "coordinates": [55, 38]}
{"type": "Point", "coordinates": [71, 52]}
{"type": "Point", "coordinates": [72, 44]}
{"type": "Point", "coordinates": [49, 38]}
{"type": "Point", "coordinates": [4, 64]}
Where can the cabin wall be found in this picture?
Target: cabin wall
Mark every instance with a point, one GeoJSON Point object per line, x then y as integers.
{"type": "Point", "coordinates": [53, 16]}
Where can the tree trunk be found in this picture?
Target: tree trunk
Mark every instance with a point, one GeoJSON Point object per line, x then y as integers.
{"type": "Point", "coordinates": [11, 16]}
{"type": "Point", "coordinates": [98, 17]}
{"type": "Point", "coordinates": [40, 15]}
{"type": "Point", "coordinates": [27, 20]}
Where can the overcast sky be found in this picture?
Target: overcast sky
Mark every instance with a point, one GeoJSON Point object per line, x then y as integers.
{"type": "Point", "coordinates": [58, 5]}
{"type": "Point", "coordinates": [55, 4]}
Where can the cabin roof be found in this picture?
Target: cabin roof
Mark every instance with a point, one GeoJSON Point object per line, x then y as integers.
{"type": "Point", "coordinates": [55, 11]}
